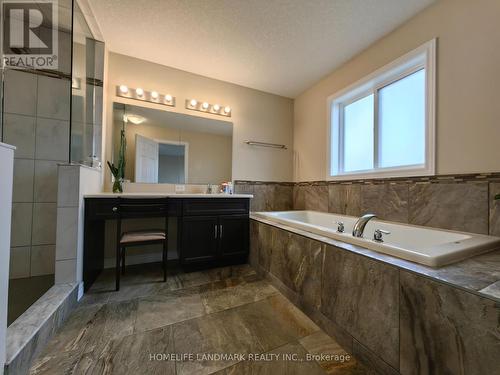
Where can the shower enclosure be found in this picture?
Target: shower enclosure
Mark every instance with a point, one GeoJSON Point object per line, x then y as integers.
{"type": "Point", "coordinates": [52, 117]}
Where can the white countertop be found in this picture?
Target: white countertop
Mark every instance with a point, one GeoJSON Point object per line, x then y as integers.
{"type": "Point", "coordinates": [165, 195]}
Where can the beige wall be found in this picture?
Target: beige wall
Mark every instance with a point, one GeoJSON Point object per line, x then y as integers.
{"type": "Point", "coordinates": [468, 82]}
{"type": "Point", "coordinates": [209, 158]}
{"type": "Point", "coordinates": [256, 115]}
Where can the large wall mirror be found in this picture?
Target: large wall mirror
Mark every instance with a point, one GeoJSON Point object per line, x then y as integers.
{"type": "Point", "coordinates": [172, 148]}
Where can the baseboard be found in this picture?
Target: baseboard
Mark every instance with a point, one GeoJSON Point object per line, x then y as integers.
{"type": "Point", "coordinates": [137, 259]}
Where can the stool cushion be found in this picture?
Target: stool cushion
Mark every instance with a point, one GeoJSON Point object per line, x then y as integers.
{"type": "Point", "coordinates": [142, 236]}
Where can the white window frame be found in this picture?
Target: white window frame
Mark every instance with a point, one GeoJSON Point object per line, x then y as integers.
{"type": "Point", "coordinates": [423, 57]}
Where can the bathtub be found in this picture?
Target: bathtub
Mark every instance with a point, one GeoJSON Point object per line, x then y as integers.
{"type": "Point", "coordinates": [427, 246]}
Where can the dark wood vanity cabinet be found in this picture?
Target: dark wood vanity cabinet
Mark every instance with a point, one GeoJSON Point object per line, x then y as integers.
{"type": "Point", "coordinates": [199, 242]}
{"type": "Point", "coordinates": [211, 232]}
{"type": "Point", "coordinates": [213, 238]}
{"type": "Point", "coordinates": [214, 230]}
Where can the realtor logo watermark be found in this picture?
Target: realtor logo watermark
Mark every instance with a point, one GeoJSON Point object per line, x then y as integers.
{"type": "Point", "coordinates": [30, 34]}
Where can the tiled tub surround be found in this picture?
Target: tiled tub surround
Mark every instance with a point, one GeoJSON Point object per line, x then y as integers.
{"type": "Point", "coordinates": [423, 245]}
{"type": "Point", "coordinates": [395, 315]}
{"type": "Point", "coordinates": [459, 202]}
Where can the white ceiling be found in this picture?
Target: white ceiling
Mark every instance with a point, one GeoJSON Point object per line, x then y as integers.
{"type": "Point", "coordinates": [277, 46]}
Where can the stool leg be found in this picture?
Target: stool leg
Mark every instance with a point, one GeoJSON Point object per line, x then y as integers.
{"type": "Point", "coordinates": [117, 269]}
{"type": "Point", "coordinates": [164, 261]}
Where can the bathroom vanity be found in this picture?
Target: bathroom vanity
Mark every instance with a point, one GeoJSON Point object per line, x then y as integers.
{"type": "Point", "coordinates": [212, 229]}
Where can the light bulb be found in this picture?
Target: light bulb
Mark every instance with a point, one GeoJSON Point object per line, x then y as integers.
{"type": "Point", "coordinates": [139, 92]}
{"type": "Point", "coordinates": [216, 107]}
{"type": "Point", "coordinates": [154, 95]}
{"type": "Point", "coordinates": [123, 89]}
{"type": "Point", "coordinates": [193, 103]}
{"type": "Point", "coordinates": [205, 105]}
{"type": "Point", "coordinates": [168, 98]}
{"type": "Point", "coordinates": [227, 109]}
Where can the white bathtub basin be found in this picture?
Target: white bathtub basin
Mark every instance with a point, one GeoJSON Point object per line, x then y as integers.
{"type": "Point", "coordinates": [428, 246]}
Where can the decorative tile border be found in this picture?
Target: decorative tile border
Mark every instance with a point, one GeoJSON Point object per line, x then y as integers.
{"type": "Point", "coordinates": [463, 202]}
{"type": "Point", "coordinates": [451, 178]}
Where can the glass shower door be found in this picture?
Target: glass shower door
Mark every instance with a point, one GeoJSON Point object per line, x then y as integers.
{"type": "Point", "coordinates": [87, 94]}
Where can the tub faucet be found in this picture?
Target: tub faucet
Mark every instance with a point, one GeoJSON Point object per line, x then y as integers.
{"type": "Point", "coordinates": [360, 225]}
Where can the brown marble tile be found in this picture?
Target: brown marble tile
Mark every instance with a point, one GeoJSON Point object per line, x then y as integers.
{"type": "Point", "coordinates": [472, 274]}
{"type": "Point", "coordinates": [279, 362]}
{"type": "Point", "coordinates": [372, 361]}
{"type": "Point", "coordinates": [297, 261]}
{"type": "Point", "coordinates": [112, 321]}
{"type": "Point", "coordinates": [253, 256]}
{"type": "Point", "coordinates": [460, 206]}
{"type": "Point", "coordinates": [494, 217]}
{"type": "Point", "coordinates": [243, 188]}
{"type": "Point", "coordinates": [445, 330]}
{"type": "Point", "coordinates": [344, 199]}
{"type": "Point", "coordinates": [330, 355]}
{"type": "Point", "coordinates": [265, 244]}
{"type": "Point", "coordinates": [133, 355]}
{"type": "Point", "coordinates": [76, 332]}
{"type": "Point", "coordinates": [492, 290]}
{"type": "Point", "coordinates": [388, 202]}
{"type": "Point", "coordinates": [285, 322]}
{"type": "Point", "coordinates": [361, 295]}
{"type": "Point", "coordinates": [56, 363]}
{"type": "Point", "coordinates": [263, 199]}
{"type": "Point", "coordinates": [85, 335]}
{"type": "Point", "coordinates": [299, 197]}
{"type": "Point", "coordinates": [172, 307]}
{"type": "Point", "coordinates": [240, 271]}
{"type": "Point", "coordinates": [138, 281]}
{"type": "Point", "coordinates": [178, 279]}
{"type": "Point", "coordinates": [181, 280]}
{"type": "Point", "coordinates": [316, 198]}
{"type": "Point", "coordinates": [283, 198]}
{"type": "Point", "coordinates": [230, 293]}
{"type": "Point", "coordinates": [240, 330]}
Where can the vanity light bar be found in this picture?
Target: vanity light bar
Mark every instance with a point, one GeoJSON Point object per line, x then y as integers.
{"type": "Point", "coordinates": [215, 109]}
{"type": "Point", "coordinates": [145, 96]}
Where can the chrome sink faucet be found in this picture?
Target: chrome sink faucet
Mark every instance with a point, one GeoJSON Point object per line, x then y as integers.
{"type": "Point", "coordinates": [360, 225]}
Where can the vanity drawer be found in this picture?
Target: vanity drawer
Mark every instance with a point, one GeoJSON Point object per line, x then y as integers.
{"type": "Point", "coordinates": [140, 208]}
{"type": "Point", "coordinates": [101, 208]}
{"type": "Point", "coordinates": [215, 206]}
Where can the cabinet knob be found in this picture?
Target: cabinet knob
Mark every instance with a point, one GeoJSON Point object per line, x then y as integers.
{"type": "Point", "coordinates": [114, 209]}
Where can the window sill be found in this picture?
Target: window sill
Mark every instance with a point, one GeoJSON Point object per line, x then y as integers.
{"type": "Point", "coordinates": [383, 173]}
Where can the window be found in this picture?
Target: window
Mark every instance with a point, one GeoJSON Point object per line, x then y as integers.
{"type": "Point", "coordinates": [383, 125]}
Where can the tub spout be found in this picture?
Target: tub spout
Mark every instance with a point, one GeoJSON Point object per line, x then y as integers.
{"type": "Point", "coordinates": [360, 225]}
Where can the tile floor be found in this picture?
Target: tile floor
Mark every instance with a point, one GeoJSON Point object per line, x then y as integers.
{"type": "Point", "coordinates": [183, 326]}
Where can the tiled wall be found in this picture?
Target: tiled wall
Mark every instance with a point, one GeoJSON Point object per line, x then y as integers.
{"type": "Point", "coordinates": [74, 182]}
{"type": "Point", "coordinates": [461, 202]}
{"type": "Point", "coordinates": [268, 196]}
{"type": "Point", "coordinates": [36, 121]}
{"type": "Point", "coordinates": [391, 319]}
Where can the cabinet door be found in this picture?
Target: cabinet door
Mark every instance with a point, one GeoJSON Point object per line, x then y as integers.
{"type": "Point", "coordinates": [233, 235]}
{"type": "Point", "coordinates": [199, 239]}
